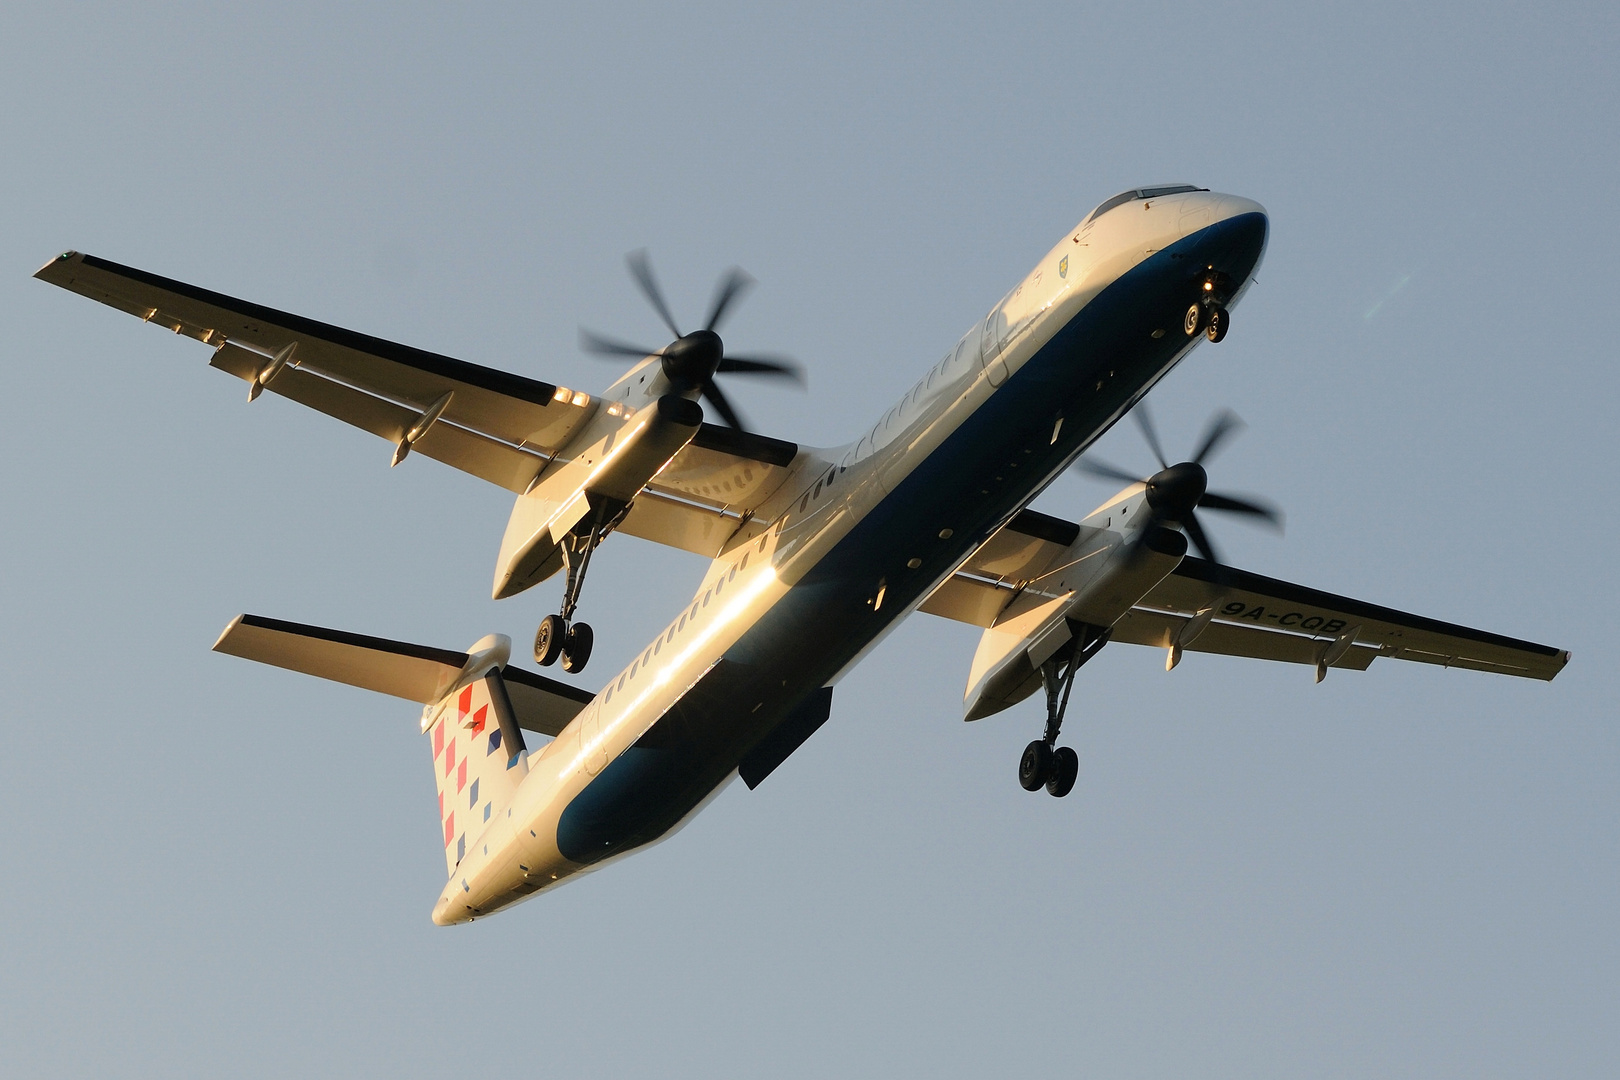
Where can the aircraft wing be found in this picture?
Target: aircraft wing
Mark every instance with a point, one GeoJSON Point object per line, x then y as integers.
{"type": "Point", "coordinates": [1276, 620]}
{"type": "Point", "coordinates": [399, 668]}
{"type": "Point", "coordinates": [500, 427]}
{"type": "Point", "coordinates": [1243, 614]}
{"type": "Point", "coordinates": [495, 425]}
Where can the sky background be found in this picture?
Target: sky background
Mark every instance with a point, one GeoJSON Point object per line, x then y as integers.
{"type": "Point", "coordinates": [221, 868]}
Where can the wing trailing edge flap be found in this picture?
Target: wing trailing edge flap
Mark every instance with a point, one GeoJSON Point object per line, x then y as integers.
{"type": "Point", "coordinates": [415, 672]}
{"type": "Point", "coordinates": [1019, 552]}
{"type": "Point", "coordinates": [1161, 629]}
{"type": "Point", "coordinates": [511, 467]}
{"type": "Point", "coordinates": [709, 489]}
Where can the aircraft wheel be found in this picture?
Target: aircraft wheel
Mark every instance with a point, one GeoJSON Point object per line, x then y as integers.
{"type": "Point", "coordinates": [1065, 769]}
{"type": "Point", "coordinates": [577, 647]}
{"type": "Point", "coordinates": [549, 640]}
{"type": "Point", "coordinates": [1193, 322]}
{"type": "Point", "coordinates": [1035, 766]}
{"type": "Point", "coordinates": [1219, 320]}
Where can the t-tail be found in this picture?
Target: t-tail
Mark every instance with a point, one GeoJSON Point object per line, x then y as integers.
{"type": "Point", "coordinates": [475, 712]}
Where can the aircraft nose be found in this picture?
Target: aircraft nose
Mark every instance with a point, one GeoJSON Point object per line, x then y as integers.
{"type": "Point", "coordinates": [1235, 240]}
{"type": "Point", "coordinates": [1231, 206]}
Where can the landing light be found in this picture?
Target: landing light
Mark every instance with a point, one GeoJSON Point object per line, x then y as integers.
{"type": "Point", "coordinates": [562, 394]}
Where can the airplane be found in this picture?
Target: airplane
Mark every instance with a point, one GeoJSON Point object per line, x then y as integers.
{"type": "Point", "coordinates": [816, 554]}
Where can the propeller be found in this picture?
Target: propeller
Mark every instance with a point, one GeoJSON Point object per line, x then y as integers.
{"type": "Point", "coordinates": [1176, 492]}
{"type": "Point", "coordinates": [692, 361]}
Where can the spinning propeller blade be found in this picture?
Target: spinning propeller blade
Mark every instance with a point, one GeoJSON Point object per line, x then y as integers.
{"type": "Point", "coordinates": [606, 346]}
{"type": "Point", "coordinates": [1195, 533]}
{"type": "Point", "coordinates": [1176, 492]}
{"type": "Point", "coordinates": [1144, 420]}
{"type": "Point", "coordinates": [641, 270]}
{"type": "Point", "coordinates": [691, 362]}
{"type": "Point", "coordinates": [1221, 425]}
{"type": "Point", "coordinates": [1215, 501]}
{"type": "Point", "coordinates": [736, 281]}
{"type": "Point", "coordinates": [1098, 467]}
{"type": "Point", "coordinates": [762, 365]}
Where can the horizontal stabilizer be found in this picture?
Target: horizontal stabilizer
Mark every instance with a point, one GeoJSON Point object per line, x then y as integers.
{"type": "Point", "coordinates": [542, 704]}
{"type": "Point", "coordinates": [415, 672]}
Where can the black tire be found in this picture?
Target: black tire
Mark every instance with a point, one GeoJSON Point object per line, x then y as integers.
{"type": "Point", "coordinates": [577, 647]}
{"type": "Point", "coordinates": [1065, 769]}
{"type": "Point", "coordinates": [1194, 321]}
{"type": "Point", "coordinates": [1035, 766]}
{"type": "Point", "coordinates": [549, 640]}
{"type": "Point", "coordinates": [1219, 322]}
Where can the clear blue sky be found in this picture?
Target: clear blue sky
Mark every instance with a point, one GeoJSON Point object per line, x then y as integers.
{"type": "Point", "coordinates": [217, 868]}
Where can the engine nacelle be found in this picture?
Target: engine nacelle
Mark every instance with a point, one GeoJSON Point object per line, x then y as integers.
{"type": "Point", "coordinates": [605, 473]}
{"type": "Point", "coordinates": [1106, 573]}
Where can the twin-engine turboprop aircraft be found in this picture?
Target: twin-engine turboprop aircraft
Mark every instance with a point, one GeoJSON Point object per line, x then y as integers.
{"type": "Point", "coordinates": [816, 553]}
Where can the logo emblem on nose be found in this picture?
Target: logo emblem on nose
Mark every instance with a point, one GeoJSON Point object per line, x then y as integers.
{"type": "Point", "coordinates": [1063, 267]}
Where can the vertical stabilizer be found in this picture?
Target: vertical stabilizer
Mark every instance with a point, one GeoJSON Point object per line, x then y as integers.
{"type": "Point", "coordinates": [478, 760]}
{"type": "Point", "coordinates": [476, 707]}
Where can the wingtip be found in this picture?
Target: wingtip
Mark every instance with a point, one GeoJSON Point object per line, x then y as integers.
{"type": "Point", "coordinates": [225, 633]}
{"type": "Point", "coordinates": [43, 273]}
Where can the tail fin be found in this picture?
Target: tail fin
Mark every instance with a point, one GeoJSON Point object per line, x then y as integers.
{"type": "Point", "coordinates": [478, 759]}
{"type": "Point", "coordinates": [476, 707]}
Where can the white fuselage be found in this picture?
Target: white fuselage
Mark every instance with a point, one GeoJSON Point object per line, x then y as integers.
{"type": "Point", "coordinates": [857, 537]}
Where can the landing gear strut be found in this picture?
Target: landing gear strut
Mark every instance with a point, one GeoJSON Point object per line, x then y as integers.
{"type": "Point", "coordinates": [557, 638]}
{"type": "Point", "coordinates": [1045, 764]}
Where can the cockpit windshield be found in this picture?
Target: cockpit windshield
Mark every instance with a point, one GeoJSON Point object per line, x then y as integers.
{"type": "Point", "coordinates": [1140, 193]}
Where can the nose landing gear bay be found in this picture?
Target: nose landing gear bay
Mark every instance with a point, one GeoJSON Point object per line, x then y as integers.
{"type": "Point", "coordinates": [1208, 314]}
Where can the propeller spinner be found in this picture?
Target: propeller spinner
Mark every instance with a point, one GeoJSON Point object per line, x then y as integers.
{"type": "Point", "coordinates": [692, 361]}
{"type": "Point", "coordinates": [1176, 492]}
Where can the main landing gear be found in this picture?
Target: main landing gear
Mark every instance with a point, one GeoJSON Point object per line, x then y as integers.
{"type": "Point", "coordinates": [1208, 314]}
{"type": "Point", "coordinates": [1045, 764]}
{"type": "Point", "coordinates": [558, 638]}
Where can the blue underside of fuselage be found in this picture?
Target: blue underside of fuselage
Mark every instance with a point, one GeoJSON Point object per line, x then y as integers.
{"type": "Point", "coordinates": [972, 484]}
